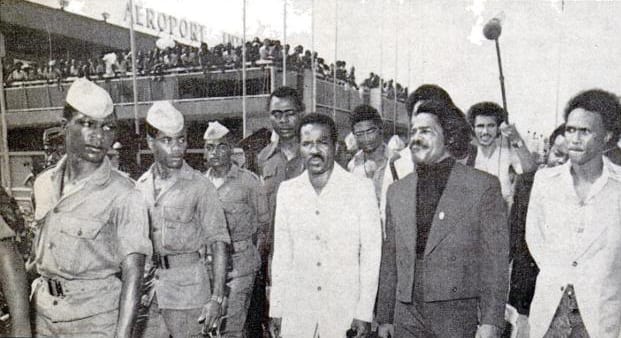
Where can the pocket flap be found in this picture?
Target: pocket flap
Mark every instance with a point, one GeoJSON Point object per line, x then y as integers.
{"type": "Point", "coordinates": [176, 214]}
{"type": "Point", "coordinates": [86, 228]}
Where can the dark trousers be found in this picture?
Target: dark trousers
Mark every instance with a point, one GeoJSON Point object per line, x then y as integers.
{"type": "Point", "coordinates": [258, 312]}
{"type": "Point", "coordinates": [443, 319]}
{"type": "Point", "coordinates": [567, 321]}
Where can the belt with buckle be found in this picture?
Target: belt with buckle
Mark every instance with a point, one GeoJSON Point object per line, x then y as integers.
{"type": "Point", "coordinates": [63, 287]}
{"type": "Point", "coordinates": [170, 261]}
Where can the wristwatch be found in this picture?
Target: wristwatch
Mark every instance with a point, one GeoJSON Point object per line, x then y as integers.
{"type": "Point", "coordinates": [217, 299]}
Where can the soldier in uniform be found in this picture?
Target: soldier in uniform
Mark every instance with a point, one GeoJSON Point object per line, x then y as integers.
{"type": "Point", "coordinates": [12, 273]}
{"type": "Point", "coordinates": [92, 228]}
{"type": "Point", "coordinates": [186, 217]}
{"type": "Point", "coordinates": [240, 192]}
{"type": "Point", "coordinates": [278, 161]}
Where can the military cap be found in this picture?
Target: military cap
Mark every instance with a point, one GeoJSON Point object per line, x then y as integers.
{"type": "Point", "coordinates": [215, 131]}
{"type": "Point", "coordinates": [89, 99]}
{"type": "Point", "coordinates": [164, 117]}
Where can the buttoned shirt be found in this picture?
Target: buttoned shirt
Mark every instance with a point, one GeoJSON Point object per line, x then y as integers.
{"type": "Point", "coordinates": [245, 207]}
{"type": "Point", "coordinates": [327, 249]}
{"type": "Point", "coordinates": [274, 168]}
{"type": "Point", "coordinates": [85, 234]}
{"type": "Point", "coordinates": [186, 215]}
{"type": "Point", "coordinates": [498, 164]}
{"type": "Point", "coordinates": [576, 241]}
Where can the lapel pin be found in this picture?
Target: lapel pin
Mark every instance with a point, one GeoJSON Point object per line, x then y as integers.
{"type": "Point", "coordinates": [441, 215]}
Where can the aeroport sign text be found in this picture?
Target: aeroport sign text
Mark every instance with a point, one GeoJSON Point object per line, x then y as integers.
{"type": "Point", "coordinates": [162, 22]}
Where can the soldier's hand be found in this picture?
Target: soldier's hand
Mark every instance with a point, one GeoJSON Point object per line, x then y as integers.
{"type": "Point", "coordinates": [360, 327]}
{"type": "Point", "coordinates": [386, 330]}
{"type": "Point", "coordinates": [209, 315]}
{"type": "Point", "coordinates": [275, 325]}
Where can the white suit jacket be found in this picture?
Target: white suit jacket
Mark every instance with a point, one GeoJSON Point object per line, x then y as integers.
{"type": "Point", "coordinates": [577, 243]}
{"type": "Point", "coordinates": [327, 249]}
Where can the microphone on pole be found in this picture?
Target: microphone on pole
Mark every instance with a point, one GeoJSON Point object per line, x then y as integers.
{"type": "Point", "coordinates": [493, 27]}
{"type": "Point", "coordinates": [491, 31]}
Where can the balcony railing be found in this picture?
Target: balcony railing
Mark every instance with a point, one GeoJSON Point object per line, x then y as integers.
{"type": "Point", "coordinates": [35, 95]}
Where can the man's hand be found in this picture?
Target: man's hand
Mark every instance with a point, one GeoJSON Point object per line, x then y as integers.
{"type": "Point", "coordinates": [523, 328]}
{"type": "Point", "coordinates": [509, 131]}
{"type": "Point", "coordinates": [209, 315]}
{"type": "Point", "coordinates": [361, 327]}
{"type": "Point", "coordinates": [386, 330]}
{"type": "Point", "coordinates": [275, 325]}
{"type": "Point", "coordinates": [487, 331]}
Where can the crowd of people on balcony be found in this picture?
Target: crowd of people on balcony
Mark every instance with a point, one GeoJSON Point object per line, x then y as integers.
{"type": "Point", "coordinates": [182, 58]}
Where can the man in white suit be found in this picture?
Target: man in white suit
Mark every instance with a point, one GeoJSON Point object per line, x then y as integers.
{"type": "Point", "coordinates": [327, 244]}
{"type": "Point", "coordinates": [573, 228]}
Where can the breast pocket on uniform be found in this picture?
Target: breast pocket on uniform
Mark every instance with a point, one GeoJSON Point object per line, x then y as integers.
{"type": "Point", "coordinates": [80, 244]}
{"type": "Point", "coordinates": [180, 232]}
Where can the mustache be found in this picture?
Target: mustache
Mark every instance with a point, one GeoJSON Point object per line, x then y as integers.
{"type": "Point", "coordinates": [417, 143]}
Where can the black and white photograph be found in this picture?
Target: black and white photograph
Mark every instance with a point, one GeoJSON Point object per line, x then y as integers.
{"type": "Point", "coordinates": [310, 168]}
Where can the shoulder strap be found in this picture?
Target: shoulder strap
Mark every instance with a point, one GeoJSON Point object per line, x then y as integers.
{"type": "Point", "coordinates": [393, 171]}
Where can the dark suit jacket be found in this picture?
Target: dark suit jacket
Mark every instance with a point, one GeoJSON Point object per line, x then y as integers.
{"type": "Point", "coordinates": [525, 271]}
{"type": "Point", "coordinates": [467, 252]}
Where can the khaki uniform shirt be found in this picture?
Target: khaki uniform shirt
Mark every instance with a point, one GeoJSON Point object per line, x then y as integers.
{"type": "Point", "coordinates": [85, 235]}
{"type": "Point", "coordinates": [185, 217]}
{"type": "Point", "coordinates": [274, 168]}
{"type": "Point", "coordinates": [245, 208]}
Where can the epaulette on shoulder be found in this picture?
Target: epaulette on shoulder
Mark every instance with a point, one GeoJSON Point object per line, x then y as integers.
{"type": "Point", "coordinates": [124, 175]}
{"type": "Point", "coordinates": [250, 173]}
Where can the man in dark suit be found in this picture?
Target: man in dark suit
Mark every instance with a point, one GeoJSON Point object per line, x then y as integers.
{"type": "Point", "coordinates": [445, 261]}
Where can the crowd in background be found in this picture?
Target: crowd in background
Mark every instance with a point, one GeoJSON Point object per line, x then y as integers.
{"type": "Point", "coordinates": [183, 58]}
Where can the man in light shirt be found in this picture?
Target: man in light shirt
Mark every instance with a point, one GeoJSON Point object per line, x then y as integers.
{"type": "Point", "coordinates": [572, 228]}
{"type": "Point", "coordinates": [499, 146]}
{"type": "Point", "coordinates": [327, 244]}
{"type": "Point", "coordinates": [371, 158]}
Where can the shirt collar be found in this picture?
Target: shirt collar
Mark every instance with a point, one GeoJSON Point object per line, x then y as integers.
{"type": "Point", "coordinates": [337, 175]}
{"type": "Point", "coordinates": [273, 148]}
{"type": "Point", "coordinates": [359, 156]}
{"type": "Point", "coordinates": [233, 172]}
{"type": "Point", "coordinates": [100, 176]}
{"type": "Point", "coordinates": [185, 172]}
{"type": "Point", "coordinates": [608, 172]}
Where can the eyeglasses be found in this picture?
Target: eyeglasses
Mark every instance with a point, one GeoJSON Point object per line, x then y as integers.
{"type": "Point", "coordinates": [369, 131]}
{"type": "Point", "coordinates": [221, 148]}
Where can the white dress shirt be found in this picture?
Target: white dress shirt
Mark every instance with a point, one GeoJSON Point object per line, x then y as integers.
{"type": "Point", "coordinates": [327, 249]}
{"type": "Point", "coordinates": [577, 242]}
{"type": "Point", "coordinates": [498, 164]}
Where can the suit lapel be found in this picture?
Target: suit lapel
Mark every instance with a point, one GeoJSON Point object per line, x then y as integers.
{"type": "Point", "coordinates": [450, 208]}
{"type": "Point", "coordinates": [405, 213]}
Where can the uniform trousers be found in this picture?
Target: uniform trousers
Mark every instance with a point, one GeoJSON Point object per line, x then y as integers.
{"type": "Point", "coordinates": [237, 308]}
{"type": "Point", "coordinates": [163, 323]}
{"type": "Point", "coordinates": [442, 319]}
{"type": "Point", "coordinates": [101, 325]}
